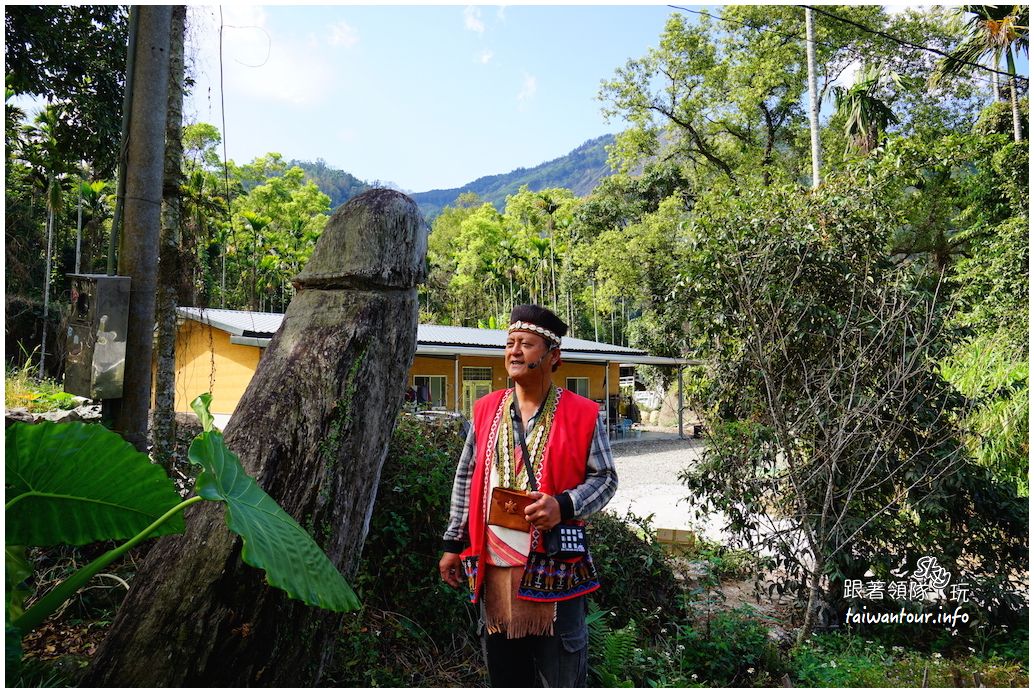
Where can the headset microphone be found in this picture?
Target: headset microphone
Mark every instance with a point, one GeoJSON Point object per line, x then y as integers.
{"type": "Point", "coordinates": [533, 366]}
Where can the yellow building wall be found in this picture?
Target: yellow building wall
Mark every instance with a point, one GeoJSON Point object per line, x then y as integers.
{"type": "Point", "coordinates": [207, 361]}
{"type": "Point", "coordinates": [446, 366]}
{"type": "Point", "coordinates": [202, 351]}
{"type": "Point", "coordinates": [595, 372]}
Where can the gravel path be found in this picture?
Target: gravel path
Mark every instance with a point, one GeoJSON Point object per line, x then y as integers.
{"type": "Point", "coordinates": [648, 483]}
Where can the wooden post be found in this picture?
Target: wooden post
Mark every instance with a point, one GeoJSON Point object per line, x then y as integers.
{"type": "Point", "coordinates": [313, 428]}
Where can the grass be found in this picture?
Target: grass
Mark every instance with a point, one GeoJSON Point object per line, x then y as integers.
{"type": "Point", "coordinates": [840, 660]}
{"type": "Point", "coordinates": [23, 390]}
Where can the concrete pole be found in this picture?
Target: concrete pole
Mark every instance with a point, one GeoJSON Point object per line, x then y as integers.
{"type": "Point", "coordinates": [813, 94]}
{"type": "Point", "coordinates": [138, 256]}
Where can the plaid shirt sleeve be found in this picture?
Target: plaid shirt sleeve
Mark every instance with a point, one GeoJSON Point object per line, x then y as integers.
{"type": "Point", "coordinates": [456, 539]}
{"type": "Point", "coordinates": [601, 482]}
{"type": "Point", "coordinates": [601, 477]}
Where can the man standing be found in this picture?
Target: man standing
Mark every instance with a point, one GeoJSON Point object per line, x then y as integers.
{"type": "Point", "coordinates": [534, 436]}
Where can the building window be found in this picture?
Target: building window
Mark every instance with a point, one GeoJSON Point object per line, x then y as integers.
{"type": "Point", "coordinates": [430, 390]}
{"type": "Point", "coordinates": [477, 373]}
{"type": "Point", "coordinates": [579, 386]}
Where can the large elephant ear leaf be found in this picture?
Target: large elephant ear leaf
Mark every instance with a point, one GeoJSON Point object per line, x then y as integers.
{"type": "Point", "coordinates": [273, 540]}
{"type": "Point", "coordinates": [76, 483]}
{"type": "Point", "coordinates": [16, 571]}
{"type": "Point", "coordinates": [201, 406]}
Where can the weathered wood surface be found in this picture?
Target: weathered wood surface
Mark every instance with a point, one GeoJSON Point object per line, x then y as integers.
{"type": "Point", "coordinates": [313, 428]}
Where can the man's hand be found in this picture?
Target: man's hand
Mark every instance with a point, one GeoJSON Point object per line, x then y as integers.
{"type": "Point", "coordinates": [451, 569]}
{"type": "Point", "coordinates": [544, 513]}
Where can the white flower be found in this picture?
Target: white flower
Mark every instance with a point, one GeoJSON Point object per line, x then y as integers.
{"type": "Point", "coordinates": [832, 664]}
{"type": "Point", "coordinates": [936, 655]}
{"type": "Point", "coordinates": [750, 670]}
{"type": "Point", "coordinates": [694, 677]}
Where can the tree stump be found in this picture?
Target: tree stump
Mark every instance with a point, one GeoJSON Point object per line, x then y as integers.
{"type": "Point", "coordinates": [313, 428]}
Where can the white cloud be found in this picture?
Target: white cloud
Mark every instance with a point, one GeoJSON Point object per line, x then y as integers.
{"type": "Point", "coordinates": [529, 86]}
{"type": "Point", "coordinates": [485, 57]}
{"type": "Point", "coordinates": [343, 34]}
{"type": "Point", "coordinates": [270, 66]}
{"type": "Point", "coordinates": [472, 19]}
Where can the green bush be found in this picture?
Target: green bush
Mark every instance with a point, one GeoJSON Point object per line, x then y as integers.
{"type": "Point", "coordinates": [731, 648]}
{"type": "Point", "coordinates": [844, 660]}
{"type": "Point", "coordinates": [635, 574]}
{"type": "Point", "coordinates": [21, 389]}
{"type": "Point", "coordinates": [414, 630]}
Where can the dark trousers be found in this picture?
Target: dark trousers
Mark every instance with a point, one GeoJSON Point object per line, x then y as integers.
{"type": "Point", "coordinates": [552, 661]}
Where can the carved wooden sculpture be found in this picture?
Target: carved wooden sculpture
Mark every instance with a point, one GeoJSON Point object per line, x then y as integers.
{"type": "Point", "coordinates": [313, 429]}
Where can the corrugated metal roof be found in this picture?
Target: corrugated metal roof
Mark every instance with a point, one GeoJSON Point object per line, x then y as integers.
{"type": "Point", "coordinates": [238, 322]}
{"type": "Point", "coordinates": [256, 329]}
{"type": "Point", "coordinates": [253, 324]}
{"type": "Point", "coordinates": [472, 336]}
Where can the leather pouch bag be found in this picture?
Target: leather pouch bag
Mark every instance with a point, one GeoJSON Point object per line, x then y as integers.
{"type": "Point", "coordinates": [506, 508]}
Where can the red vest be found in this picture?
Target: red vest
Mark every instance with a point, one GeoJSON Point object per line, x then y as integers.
{"type": "Point", "coordinates": [563, 467]}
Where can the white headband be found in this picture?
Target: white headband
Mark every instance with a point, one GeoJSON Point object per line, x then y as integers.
{"type": "Point", "coordinates": [531, 327]}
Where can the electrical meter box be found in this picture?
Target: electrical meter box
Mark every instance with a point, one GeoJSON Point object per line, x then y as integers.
{"type": "Point", "coordinates": [95, 343]}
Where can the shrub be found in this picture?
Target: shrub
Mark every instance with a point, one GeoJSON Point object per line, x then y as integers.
{"type": "Point", "coordinates": [21, 389]}
{"type": "Point", "coordinates": [843, 660]}
{"type": "Point", "coordinates": [414, 630]}
{"type": "Point", "coordinates": [635, 573]}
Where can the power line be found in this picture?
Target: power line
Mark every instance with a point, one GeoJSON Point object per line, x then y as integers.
{"type": "Point", "coordinates": [858, 54]}
{"type": "Point", "coordinates": [909, 44]}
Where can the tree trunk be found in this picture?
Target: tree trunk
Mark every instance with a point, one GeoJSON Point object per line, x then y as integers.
{"type": "Point", "coordinates": [313, 429]}
{"type": "Point", "coordinates": [138, 256]}
{"type": "Point", "coordinates": [46, 289]}
{"type": "Point", "coordinates": [164, 427]}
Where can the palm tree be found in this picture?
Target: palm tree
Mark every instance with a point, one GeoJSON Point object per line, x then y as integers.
{"type": "Point", "coordinates": [866, 116]}
{"type": "Point", "coordinates": [994, 31]}
{"type": "Point", "coordinates": [46, 157]}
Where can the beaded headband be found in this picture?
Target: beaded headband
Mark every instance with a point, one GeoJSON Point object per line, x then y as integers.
{"type": "Point", "coordinates": [531, 327]}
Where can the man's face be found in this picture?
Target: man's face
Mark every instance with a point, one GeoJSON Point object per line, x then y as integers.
{"type": "Point", "coordinates": [524, 349]}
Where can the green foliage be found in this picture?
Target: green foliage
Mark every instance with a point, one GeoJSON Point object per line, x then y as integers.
{"type": "Point", "coordinates": [338, 185]}
{"type": "Point", "coordinates": [75, 483]}
{"type": "Point", "coordinates": [731, 649]}
{"type": "Point", "coordinates": [822, 400]}
{"type": "Point", "coordinates": [849, 661]}
{"type": "Point", "coordinates": [71, 499]}
{"type": "Point", "coordinates": [723, 561]}
{"type": "Point", "coordinates": [578, 171]}
{"type": "Point", "coordinates": [22, 389]}
{"type": "Point", "coordinates": [413, 630]}
{"type": "Point", "coordinates": [997, 379]}
{"type": "Point", "coordinates": [611, 652]}
{"type": "Point", "coordinates": [632, 565]}
{"type": "Point", "coordinates": [272, 540]}
{"type": "Point", "coordinates": [75, 57]}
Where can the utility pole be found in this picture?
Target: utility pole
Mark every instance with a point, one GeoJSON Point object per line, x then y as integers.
{"type": "Point", "coordinates": [813, 94]}
{"type": "Point", "coordinates": [138, 253]}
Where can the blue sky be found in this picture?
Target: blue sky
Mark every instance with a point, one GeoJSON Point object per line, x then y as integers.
{"type": "Point", "coordinates": [421, 96]}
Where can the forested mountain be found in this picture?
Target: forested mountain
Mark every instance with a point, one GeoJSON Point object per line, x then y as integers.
{"type": "Point", "coordinates": [580, 172]}
{"type": "Point", "coordinates": [340, 186]}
